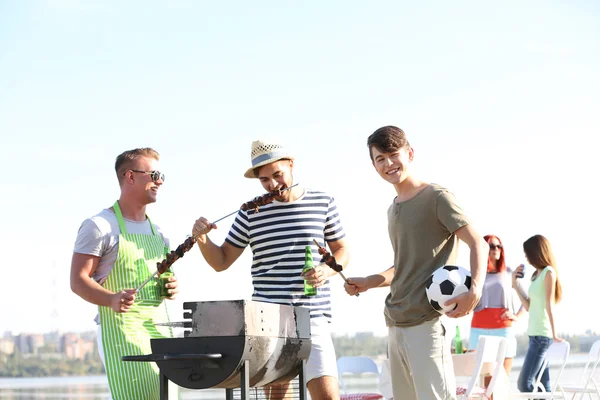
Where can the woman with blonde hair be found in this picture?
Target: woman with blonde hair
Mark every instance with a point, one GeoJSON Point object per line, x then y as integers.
{"type": "Point", "coordinates": [544, 293]}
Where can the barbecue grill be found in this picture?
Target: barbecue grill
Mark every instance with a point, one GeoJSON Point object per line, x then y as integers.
{"type": "Point", "coordinates": [234, 344]}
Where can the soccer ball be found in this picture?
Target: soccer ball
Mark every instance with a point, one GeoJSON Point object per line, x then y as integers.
{"type": "Point", "coordinates": [445, 283]}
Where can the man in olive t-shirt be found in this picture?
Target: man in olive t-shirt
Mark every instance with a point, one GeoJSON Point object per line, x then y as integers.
{"type": "Point", "coordinates": [425, 225]}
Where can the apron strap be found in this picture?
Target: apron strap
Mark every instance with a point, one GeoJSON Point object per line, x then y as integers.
{"type": "Point", "coordinates": [121, 221]}
{"type": "Point", "coordinates": [151, 225]}
{"type": "Point", "coordinates": [119, 215]}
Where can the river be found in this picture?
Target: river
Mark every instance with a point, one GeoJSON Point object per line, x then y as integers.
{"type": "Point", "coordinates": [96, 388]}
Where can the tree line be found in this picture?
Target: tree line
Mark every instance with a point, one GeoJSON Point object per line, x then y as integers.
{"type": "Point", "coordinates": [365, 344]}
{"type": "Point", "coordinates": [361, 344]}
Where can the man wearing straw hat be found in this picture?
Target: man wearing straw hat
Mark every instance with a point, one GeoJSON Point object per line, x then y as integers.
{"type": "Point", "coordinates": [277, 234]}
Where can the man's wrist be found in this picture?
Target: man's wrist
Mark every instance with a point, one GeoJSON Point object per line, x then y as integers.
{"type": "Point", "coordinates": [476, 288]}
{"type": "Point", "coordinates": [372, 281]}
{"type": "Point", "coordinates": [201, 239]}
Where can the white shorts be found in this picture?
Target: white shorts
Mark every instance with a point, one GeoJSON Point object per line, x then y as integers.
{"type": "Point", "coordinates": [322, 360]}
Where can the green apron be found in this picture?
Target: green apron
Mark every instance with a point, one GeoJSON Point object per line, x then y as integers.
{"type": "Point", "coordinates": [129, 333]}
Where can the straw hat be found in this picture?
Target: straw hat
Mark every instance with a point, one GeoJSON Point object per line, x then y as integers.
{"type": "Point", "coordinates": [263, 153]}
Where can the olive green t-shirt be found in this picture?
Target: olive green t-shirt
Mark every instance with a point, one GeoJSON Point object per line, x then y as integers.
{"type": "Point", "coordinates": [421, 230]}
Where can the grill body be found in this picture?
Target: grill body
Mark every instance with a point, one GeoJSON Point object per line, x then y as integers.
{"type": "Point", "coordinates": [234, 344]}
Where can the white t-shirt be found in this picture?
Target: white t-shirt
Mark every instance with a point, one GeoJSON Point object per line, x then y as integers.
{"type": "Point", "coordinates": [99, 236]}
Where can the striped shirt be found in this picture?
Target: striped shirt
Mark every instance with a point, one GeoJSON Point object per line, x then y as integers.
{"type": "Point", "coordinates": [277, 235]}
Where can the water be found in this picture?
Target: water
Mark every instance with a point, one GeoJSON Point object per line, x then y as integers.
{"type": "Point", "coordinates": [96, 387]}
{"type": "Point", "coordinates": [80, 387]}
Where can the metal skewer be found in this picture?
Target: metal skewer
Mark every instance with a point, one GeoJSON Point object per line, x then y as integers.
{"type": "Point", "coordinates": [339, 272]}
{"type": "Point", "coordinates": [198, 234]}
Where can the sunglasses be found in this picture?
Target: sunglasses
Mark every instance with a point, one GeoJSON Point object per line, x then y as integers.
{"type": "Point", "coordinates": [154, 175]}
{"type": "Point", "coordinates": [495, 246]}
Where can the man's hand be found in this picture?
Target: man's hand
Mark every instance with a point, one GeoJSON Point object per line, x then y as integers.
{"type": "Point", "coordinates": [465, 303]}
{"type": "Point", "coordinates": [318, 275]}
{"type": "Point", "coordinates": [356, 285]}
{"type": "Point", "coordinates": [173, 287]}
{"type": "Point", "coordinates": [122, 301]}
{"type": "Point", "coordinates": [201, 228]}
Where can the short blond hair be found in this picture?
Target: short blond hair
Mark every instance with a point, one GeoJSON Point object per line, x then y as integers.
{"type": "Point", "coordinates": [127, 158]}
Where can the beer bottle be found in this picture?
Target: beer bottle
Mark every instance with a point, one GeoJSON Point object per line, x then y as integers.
{"type": "Point", "coordinates": [458, 345]}
{"type": "Point", "coordinates": [309, 290]}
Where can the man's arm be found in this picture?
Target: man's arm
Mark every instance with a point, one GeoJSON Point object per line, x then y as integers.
{"type": "Point", "coordinates": [218, 257]}
{"type": "Point", "coordinates": [339, 250]}
{"type": "Point", "coordinates": [359, 285]}
{"type": "Point", "coordinates": [83, 267]}
{"type": "Point", "coordinates": [479, 253]}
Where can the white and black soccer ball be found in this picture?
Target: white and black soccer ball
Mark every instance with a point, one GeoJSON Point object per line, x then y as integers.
{"type": "Point", "coordinates": [445, 283]}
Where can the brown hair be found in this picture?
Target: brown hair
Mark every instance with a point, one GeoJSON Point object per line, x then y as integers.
{"type": "Point", "coordinates": [539, 254]}
{"type": "Point", "coordinates": [127, 158]}
{"type": "Point", "coordinates": [387, 139]}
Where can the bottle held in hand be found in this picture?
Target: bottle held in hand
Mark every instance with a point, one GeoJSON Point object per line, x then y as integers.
{"type": "Point", "coordinates": [521, 271]}
{"type": "Point", "coordinates": [309, 290]}
{"type": "Point", "coordinates": [163, 279]}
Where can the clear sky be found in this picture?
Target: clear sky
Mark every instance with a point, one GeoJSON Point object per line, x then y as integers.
{"type": "Point", "coordinates": [501, 101]}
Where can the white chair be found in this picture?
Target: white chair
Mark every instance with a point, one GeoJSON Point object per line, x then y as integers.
{"type": "Point", "coordinates": [558, 353]}
{"type": "Point", "coordinates": [587, 384]}
{"type": "Point", "coordinates": [490, 349]}
{"type": "Point", "coordinates": [356, 365]}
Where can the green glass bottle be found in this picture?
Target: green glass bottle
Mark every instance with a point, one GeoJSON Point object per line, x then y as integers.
{"type": "Point", "coordinates": [309, 290]}
{"type": "Point", "coordinates": [458, 345]}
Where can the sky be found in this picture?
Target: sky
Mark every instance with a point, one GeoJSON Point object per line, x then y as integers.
{"type": "Point", "coordinates": [500, 101]}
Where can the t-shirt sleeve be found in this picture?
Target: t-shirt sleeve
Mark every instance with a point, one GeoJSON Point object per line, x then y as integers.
{"type": "Point", "coordinates": [239, 235]}
{"type": "Point", "coordinates": [449, 212]}
{"type": "Point", "coordinates": [90, 239]}
{"type": "Point", "coordinates": [333, 225]}
{"type": "Point", "coordinates": [164, 238]}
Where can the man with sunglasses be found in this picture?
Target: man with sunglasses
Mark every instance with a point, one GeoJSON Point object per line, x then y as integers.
{"type": "Point", "coordinates": [425, 225]}
{"type": "Point", "coordinates": [115, 252]}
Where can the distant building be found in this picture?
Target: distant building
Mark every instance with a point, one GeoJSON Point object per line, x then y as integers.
{"type": "Point", "coordinates": [74, 346]}
{"type": "Point", "coordinates": [29, 343]}
{"type": "Point", "coordinates": [7, 346]}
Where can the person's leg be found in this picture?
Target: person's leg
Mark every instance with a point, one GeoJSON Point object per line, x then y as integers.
{"type": "Point", "coordinates": [402, 383]}
{"type": "Point", "coordinates": [277, 391]}
{"type": "Point", "coordinates": [474, 338]}
{"type": "Point", "coordinates": [430, 361]}
{"type": "Point", "coordinates": [545, 381]}
{"type": "Point", "coordinates": [532, 364]}
{"type": "Point", "coordinates": [101, 352]}
{"type": "Point", "coordinates": [323, 388]}
{"type": "Point", "coordinates": [511, 347]}
{"type": "Point", "coordinates": [321, 366]}
{"type": "Point", "coordinates": [508, 365]}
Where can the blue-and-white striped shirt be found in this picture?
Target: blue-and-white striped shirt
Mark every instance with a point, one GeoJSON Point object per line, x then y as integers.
{"type": "Point", "coordinates": [277, 235]}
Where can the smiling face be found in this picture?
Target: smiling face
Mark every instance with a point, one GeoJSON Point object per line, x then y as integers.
{"type": "Point", "coordinates": [277, 176]}
{"type": "Point", "coordinates": [141, 185]}
{"type": "Point", "coordinates": [393, 166]}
